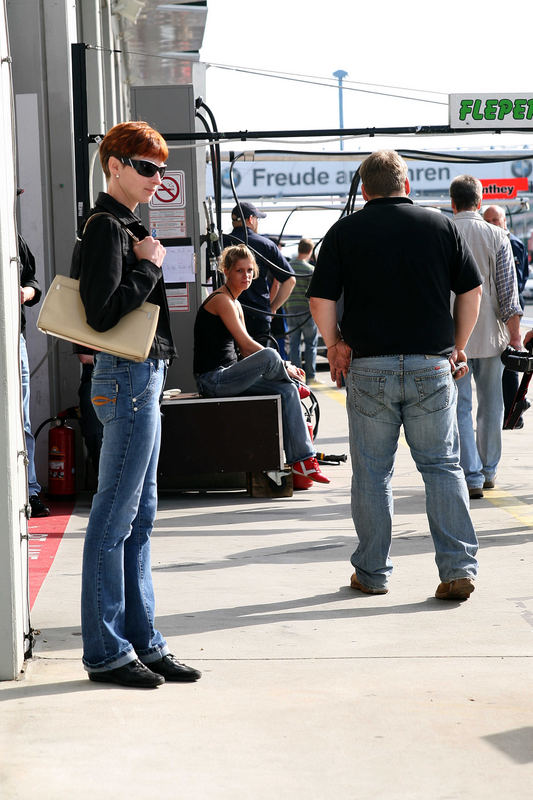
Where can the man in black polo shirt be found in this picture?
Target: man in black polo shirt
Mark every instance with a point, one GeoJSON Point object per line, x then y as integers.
{"type": "Point", "coordinates": [397, 345]}
{"type": "Point", "coordinates": [271, 265]}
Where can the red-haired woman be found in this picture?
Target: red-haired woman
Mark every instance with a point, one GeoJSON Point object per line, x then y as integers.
{"type": "Point", "coordinates": [218, 328]}
{"type": "Point", "coordinates": [117, 274]}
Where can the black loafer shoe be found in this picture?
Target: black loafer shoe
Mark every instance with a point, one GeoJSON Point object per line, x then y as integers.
{"type": "Point", "coordinates": [38, 508]}
{"type": "Point", "coordinates": [173, 670]}
{"type": "Point", "coordinates": [133, 674]}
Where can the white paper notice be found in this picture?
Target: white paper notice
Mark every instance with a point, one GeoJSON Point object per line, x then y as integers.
{"type": "Point", "coordinates": [178, 266]}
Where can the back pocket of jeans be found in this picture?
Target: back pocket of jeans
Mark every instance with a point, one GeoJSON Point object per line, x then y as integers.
{"type": "Point", "coordinates": [104, 395]}
{"type": "Point", "coordinates": [434, 391]}
{"type": "Point", "coordinates": [368, 393]}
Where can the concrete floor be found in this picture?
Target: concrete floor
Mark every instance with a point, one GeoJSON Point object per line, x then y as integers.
{"type": "Point", "coordinates": [309, 690]}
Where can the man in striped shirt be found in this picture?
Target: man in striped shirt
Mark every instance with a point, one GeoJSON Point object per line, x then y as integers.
{"type": "Point", "coordinates": [498, 324]}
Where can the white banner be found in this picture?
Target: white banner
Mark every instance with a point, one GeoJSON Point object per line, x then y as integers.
{"type": "Point", "coordinates": [280, 179]}
{"type": "Point", "coordinates": [490, 111]}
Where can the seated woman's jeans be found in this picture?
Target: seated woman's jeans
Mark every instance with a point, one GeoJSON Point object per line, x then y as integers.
{"type": "Point", "coordinates": [117, 604]}
{"type": "Point", "coordinates": [264, 373]}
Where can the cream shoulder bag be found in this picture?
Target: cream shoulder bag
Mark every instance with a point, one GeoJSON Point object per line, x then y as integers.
{"type": "Point", "coordinates": [63, 315]}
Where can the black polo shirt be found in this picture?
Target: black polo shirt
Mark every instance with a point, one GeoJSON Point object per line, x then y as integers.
{"type": "Point", "coordinates": [397, 264]}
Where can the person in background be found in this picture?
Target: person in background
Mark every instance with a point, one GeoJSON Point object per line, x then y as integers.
{"type": "Point", "coordinates": [498, 323]}
{"type": "Point", "coordinates": [30, 294]}
{"type": "Point", "coordinates": [278, 324]}
{"type": "Point", "coordinates": [510, 378]}
{"type": "Point", "coordinates": [219, 326]}
{"type": "Point", "coordinates": [302, 326]}
{"type": "Point", "coordinates": [91, 427]}
{"type": "Point", "coordinates": [272, 266]}
{"type": "Point", "coordinates": [119, 267]}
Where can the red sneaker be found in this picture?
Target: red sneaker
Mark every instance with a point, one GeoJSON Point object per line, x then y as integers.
{"type": "Point", "coordinates": [309, 469]}
{"type": "Point", "coordinates": [300, 482]}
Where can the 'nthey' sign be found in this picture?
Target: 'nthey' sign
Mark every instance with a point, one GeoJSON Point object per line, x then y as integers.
{"type": "Point", "coordinates": [503, 188]}
{"type": "Point", "coordinates": [491, 110]}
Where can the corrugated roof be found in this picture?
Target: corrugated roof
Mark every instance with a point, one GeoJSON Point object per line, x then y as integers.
{"type": "Point", "coordinates": [160, 39]}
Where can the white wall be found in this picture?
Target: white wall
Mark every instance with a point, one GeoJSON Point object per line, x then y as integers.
{"type": "Point", "coordinates": [14, 617]}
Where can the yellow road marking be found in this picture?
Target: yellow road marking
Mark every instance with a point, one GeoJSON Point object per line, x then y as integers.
{"type": "Point", "coordinates": [512, 505]}
{"type": "Point", "coordinates": [521, 511]}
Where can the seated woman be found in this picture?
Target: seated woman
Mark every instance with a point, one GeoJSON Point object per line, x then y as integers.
{"type": "Point", "coordinates": [218, 328]}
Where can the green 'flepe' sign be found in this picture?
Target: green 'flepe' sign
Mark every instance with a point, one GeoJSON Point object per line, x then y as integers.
{"type": "Point", "coordinates": [491, 111]}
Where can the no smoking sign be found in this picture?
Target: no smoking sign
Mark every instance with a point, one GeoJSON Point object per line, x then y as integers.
{"type": "Point", "coordinates": [171, 192]}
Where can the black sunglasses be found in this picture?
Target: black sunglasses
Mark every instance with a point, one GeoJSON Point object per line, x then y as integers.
{"type": "Point", "coordinates": [145, 168]}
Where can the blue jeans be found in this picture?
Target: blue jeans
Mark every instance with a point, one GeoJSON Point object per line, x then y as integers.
{"type": "Point", "coordinates": [117, 600]}
{"type": "Point", "coordinates": [309, 331]}
{"type": "Point", "coordinates": [264, 373]}
{"type": "Point", "coordinates": [33, 486]}
{"type": "Point", "coordinates": [418, 392]}
{"type": "Point", "coordinates": [481, 452]}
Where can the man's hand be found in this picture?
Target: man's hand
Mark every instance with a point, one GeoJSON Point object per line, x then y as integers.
{"type": "Point", "coordinates": [458, 357]}
{"type": "Point", "coordinates": [516, 342]}
{"type": "Point", "coordinates": [528, 337]}
{"type": "Point", "coordinates": [339, 357]}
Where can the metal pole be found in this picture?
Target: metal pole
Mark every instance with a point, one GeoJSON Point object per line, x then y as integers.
{"type": "Point", "coordinates": [340, 74]}
{"type": "Point", "coordinates": [81, 130]}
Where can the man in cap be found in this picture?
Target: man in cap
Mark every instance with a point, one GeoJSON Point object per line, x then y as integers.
{"type": "Point", "coordinates": [272, 265]}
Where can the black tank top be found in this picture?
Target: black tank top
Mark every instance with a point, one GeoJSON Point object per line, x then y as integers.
{"type": "Point", "coordinates": [214, 345]}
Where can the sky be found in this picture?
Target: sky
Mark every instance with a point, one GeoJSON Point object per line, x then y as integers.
{"type": "Point", "coordinates": [421, 49]}
{"type": "Point", "coordinates": [417, 50]}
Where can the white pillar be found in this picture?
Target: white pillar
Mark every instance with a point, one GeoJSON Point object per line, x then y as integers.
{"type": "Point", "coordinates": [14, 614]}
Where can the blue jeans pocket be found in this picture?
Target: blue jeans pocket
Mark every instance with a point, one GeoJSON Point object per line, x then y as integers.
{"type": "Point", "coordinates": [368, 393]}
{"type": "Point", "coordinates": [434, 391]}
{"type": "Point", "coordinates": [144, 384]}
{"type": "Point", "coordinates": [104, 395]}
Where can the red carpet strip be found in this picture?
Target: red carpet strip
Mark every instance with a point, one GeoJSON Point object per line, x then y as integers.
{"type": "Point", "coordinates": [45, 534]}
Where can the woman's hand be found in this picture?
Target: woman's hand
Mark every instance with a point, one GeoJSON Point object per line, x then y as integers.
{"type": "Point", "coordinates": [151, 249]}
{"type": "Point", "coordinates": [295, 372]}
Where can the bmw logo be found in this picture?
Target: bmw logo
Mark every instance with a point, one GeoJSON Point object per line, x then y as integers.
{"type": "Point", "coordinates": [521, 169]}
{"type": "Point", "coordinates": [225, 177]}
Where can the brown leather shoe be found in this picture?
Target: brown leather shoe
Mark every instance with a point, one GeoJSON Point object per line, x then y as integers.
{"type": "Point", "coordinates": [355, 584]}
{"type": "Point", "coordinates": [459, 589]}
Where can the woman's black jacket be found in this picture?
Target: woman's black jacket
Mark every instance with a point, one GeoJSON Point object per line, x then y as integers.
{"type": "Point", "coordinates": [112, 280]}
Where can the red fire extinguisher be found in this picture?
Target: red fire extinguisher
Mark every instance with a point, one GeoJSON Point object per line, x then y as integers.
{"type": "Point", "coordinates": [61, 460]}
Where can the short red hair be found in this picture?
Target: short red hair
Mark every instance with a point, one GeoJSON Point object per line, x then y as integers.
{"type": "Point", "coordinates": [130, 139]}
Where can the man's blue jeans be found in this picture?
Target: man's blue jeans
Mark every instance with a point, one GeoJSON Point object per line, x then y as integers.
{"type": "Point", "coordinates": [117, 602]}
{"type": "Point", "coordinates": [309, 331]}
{"type": "Point", "coordinates": [33, 485]}
{"type": "Point", "coordinates": [264, 373]}
{"type": "Point", "coordinates": [481, 451]}
{"type": "Point", "coordinates": [418, 392]}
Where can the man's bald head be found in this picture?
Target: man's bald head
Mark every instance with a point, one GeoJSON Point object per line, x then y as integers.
{"type": "Point", "coordinates": [496, 216]}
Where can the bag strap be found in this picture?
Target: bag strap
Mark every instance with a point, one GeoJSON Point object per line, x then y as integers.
{"type": "Point", "coordinates": [108, 214]}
